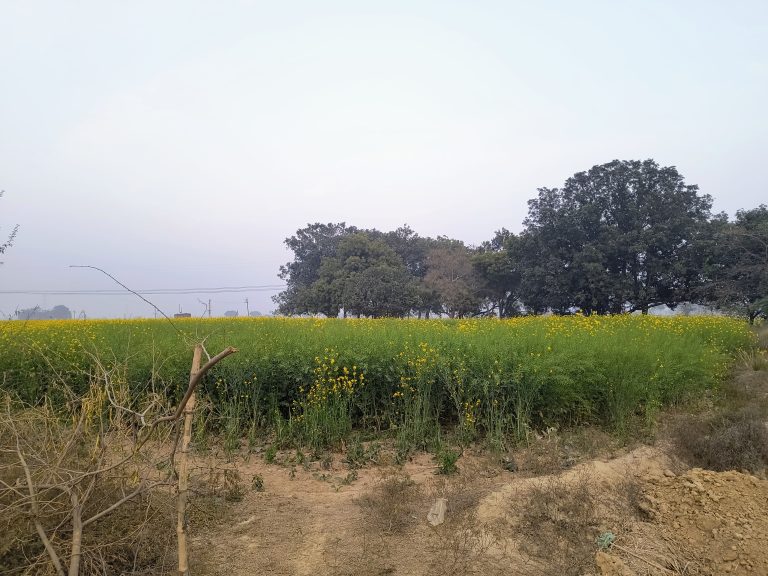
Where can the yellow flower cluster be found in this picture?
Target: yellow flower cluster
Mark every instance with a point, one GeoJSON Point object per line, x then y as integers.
{"type": "Point", "coordinates": [470, 413]}
{"type": "Point", "coordinates": [331, 379]}
{"type": "Point", "coordinates": [418, 363]}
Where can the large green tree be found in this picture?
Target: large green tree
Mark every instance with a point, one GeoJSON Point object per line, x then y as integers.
{"type": "Point", "coordinates": [737, 263]}
{"type": "Point", "coordinates": [497, 269]}
{"type": "Point", "coordinates": [310, 246]}
{"type": "Point", "coordinates": [365, 277]}
{"type": "Point", "coordinates": [618, 237]}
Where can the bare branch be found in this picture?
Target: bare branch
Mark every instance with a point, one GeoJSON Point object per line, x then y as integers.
{"type": "Point", "coordinates": [194, 380]}
{"type": "Point", "coordinates": [142, 488]}
{"type": "Point", "coordinates": [134, 293]}
{"type": "Point", "coordinates": [33, 502]}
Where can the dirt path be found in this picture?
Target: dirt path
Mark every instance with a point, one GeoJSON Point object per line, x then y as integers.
{"type": "Point", "coordinates": [312, 521]}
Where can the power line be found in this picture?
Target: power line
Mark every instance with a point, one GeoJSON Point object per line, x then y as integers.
{"type": "Point", "coordinates": [151, 291]}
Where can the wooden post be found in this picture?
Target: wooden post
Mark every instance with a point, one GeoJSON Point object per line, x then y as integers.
{"type": "Point", "coordinates": [77, 535]}
{"type": "Point", "coordinates": [181, 503]}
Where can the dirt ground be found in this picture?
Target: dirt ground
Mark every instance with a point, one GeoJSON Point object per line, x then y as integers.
{"type": "Point", "coordinates": [652, 515]}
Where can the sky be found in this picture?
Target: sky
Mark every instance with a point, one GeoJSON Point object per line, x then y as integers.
{"type": "Point", "coordinates": [177, 144]}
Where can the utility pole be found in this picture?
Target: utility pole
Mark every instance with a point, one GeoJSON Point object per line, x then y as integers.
{"type": "Point", "coordinates": [247, 308]}
{"type": "Point", "coordinates": [207, 306]}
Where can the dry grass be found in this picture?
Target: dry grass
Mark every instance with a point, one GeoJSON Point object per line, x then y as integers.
{"type": "Point", "coordinates": [762, 336]}
{"type": "Point", "coordinates": [732, 440]}
{"type": "Point", "coordinates": [466, 543]}
{"type": "Point", "coordinates": [392, 506]}
{"type": "Point", "coordinates": [559, 522]}
{"type": "Point", "coordinates": [752, 360]}
{"type": "Point", "coordinates": [542, 455]}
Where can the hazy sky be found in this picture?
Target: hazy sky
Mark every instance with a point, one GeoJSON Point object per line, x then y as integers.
{"type": "Point", "coordinates": [176, 144]}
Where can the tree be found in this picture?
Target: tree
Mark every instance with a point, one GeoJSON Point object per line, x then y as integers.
{"type": "Point", "coordinates": [8, 241]}
{"type": "Point", "coordinates": [737, 263]}
{"type": "Point", "coordinates": [450, 274]}
{"type": "Point", "coordinates": [495, 267]}
{"type": "Point", "coordinates": [58, 312]}
{"type": "Point", "coordinates": [411, 248]}
{"type": "Point", "coordinates": [310, 246]}
{"type": "Point", "coordinates": [619, 237]}
{"type": "Point", "coordinates": [364, 277]}
{"type": "Point", "coordinates": [381, 290]}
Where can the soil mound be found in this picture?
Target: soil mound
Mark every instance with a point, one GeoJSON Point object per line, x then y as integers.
{"type": "Point", "coordinates": [718, 520]}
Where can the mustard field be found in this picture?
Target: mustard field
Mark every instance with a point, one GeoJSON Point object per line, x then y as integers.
{"type": "Point", "coordinates": [313, 381]}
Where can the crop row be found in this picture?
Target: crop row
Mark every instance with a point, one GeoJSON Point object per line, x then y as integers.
{"type": "Point", "coordinates": [321, 378]}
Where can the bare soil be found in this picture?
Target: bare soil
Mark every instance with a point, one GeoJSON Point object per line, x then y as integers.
{"type": "Point", "coordinates": [327, 520]}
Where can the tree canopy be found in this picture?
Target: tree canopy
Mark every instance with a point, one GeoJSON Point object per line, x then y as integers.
{"type": "Point", "coordinates": [616, 238]}
{"type": "Point", "coordinates": [737, 263]}
{"type": "Point", "coordinates": [620, 237]}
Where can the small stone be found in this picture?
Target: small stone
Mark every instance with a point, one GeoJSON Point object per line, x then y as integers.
{"type": "Point", "coordinates": [730, 556]}
{"type": "Point", "coordinates": [509, 464]}
{"type": "Point", "coordinates": [668, 473]}
{"type": "Point", "coordinates": [436, 515]}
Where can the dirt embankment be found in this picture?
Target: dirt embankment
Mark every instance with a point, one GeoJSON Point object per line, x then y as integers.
{"type": "Point", "coordinates": [719, 520]}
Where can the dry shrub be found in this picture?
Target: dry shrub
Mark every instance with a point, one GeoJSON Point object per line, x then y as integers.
{"type": "Point", "coordinates": [554, 451]}
{"type": "Point", "coordinates": [587, 442]}
{"type": "Point", "coordinates": [752, 360]}
{"type": "Point", "coordinates": [730, 441]}
{"type": "Point", "coordinates": [462, 496]}
{"type": "Point", "coordinates": [762, 336]}
{"type": "Point", "coordinates": [628, 496]}
{"type": "Point", "coordinates": [747, 387]}
{"type": "Point", "coordinates": [542, 455]}
{"type": "Point", "coordinates": [93, 460]}
{"type": "Point", "coordinates": [558, 521]}
{"type": "Point", "coordinates": [466, 543]}
{"type": "Point", "coordinates": [392, 505]}
{"type": "Point", "coordinates": [467, 546]}
{"type": "Point", "coordinates": [137, 537]}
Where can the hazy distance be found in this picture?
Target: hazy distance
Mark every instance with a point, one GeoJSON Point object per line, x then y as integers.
{"type": "Point", "coordinates": [177, 144]}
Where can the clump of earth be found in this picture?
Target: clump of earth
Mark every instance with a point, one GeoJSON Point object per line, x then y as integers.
{"type": "Point", "coordinates": [717, 520]}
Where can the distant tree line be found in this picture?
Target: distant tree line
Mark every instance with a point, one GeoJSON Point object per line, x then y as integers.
{"type": "Point", "coordinates": [59, 312]}
{"type": "Point", "coordinates": [621, 237]}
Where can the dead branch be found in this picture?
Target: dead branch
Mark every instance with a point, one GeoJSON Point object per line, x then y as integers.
{"type": "Point", "coordinates": [33, 502]}
{"type": "Point", "coordinates": [194, 380]}
{"type": "Point", "coordinates": [141, 489]}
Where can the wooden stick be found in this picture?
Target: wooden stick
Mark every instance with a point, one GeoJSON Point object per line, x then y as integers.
{"type": "Point", "coordinates": [181, 502]}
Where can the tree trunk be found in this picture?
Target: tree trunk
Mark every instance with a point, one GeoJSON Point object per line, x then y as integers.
{"type": "Point", "coordinates": [183, 496]}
